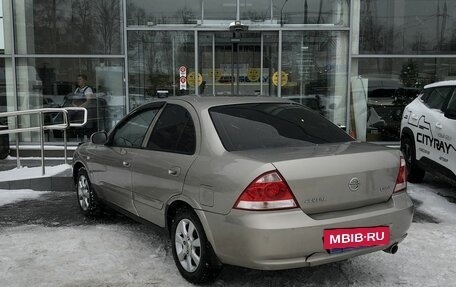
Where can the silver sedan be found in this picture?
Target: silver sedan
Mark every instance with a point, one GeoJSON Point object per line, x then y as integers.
{"type": "Point", "coordinates": [261, 183]}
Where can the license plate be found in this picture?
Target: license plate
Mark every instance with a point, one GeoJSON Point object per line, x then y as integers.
{"type": "Point", "coordinates": [355, 237]}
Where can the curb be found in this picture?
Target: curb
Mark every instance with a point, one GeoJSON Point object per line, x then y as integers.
{"type": "Point", "coordinates": [59, 182]}
{"type": "Point", "coordinates": [40, 184]}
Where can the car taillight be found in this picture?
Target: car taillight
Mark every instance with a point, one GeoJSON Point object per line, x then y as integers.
{"type": "Point", "coordinates": [267, 192]}
{"type": "Point", "coordinates": [401, 181]}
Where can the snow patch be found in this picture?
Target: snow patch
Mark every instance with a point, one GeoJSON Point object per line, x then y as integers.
{"type": "Point", "coordinates": [12, 196]}
{"type": "Point", "coordinates": [432, 203]}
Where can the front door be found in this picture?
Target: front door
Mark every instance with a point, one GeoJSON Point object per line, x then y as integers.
{"type": "Point", "coordinates": [238, 63]}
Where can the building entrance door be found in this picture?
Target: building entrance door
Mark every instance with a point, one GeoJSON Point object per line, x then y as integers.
{"type": "Point", "coordinates": [238, 63]}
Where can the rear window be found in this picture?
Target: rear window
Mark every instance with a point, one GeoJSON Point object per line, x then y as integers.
{"type": "Point", "coordinates": [272, 125]}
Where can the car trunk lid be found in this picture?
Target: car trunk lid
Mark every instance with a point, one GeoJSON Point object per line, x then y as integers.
{"type": "Point", "coordinates": [333, 177]}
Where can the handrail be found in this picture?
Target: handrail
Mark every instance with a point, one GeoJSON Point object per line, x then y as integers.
{"type": "Point", "coordinates": [42, 127]}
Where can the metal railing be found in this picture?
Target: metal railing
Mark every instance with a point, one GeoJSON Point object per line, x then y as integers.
{"type": "Point", "coordinates": [43, 127]}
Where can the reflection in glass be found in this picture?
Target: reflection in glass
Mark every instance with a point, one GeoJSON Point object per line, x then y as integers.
{"type": "Point", "coordinates": [240, 65]}
{"type": "Point", "coordinates": [5, 27]}
{"type": "Point", "coordinates": [158, 12]}
{"type": "Point", "coordinates": [154, 61]}
{"type": "Point", "coordinates": [315, 71]}
{"type": "Point", "coordinates": [407, 26]}
{"type": "Point", "coordinates": [256, 10]}
{"type": "Point", "coordinates": [6, 89]}
{"type": "Point", "coordinates": [312, 11]}
{"type": "Point", "coordinates": [389, 85]}
{"type": "Point", "coordinates": [51, 83]}
{"type": "Point", "coordinates": [219, 10]}
{"type": "Point", "coordinates": [68, 27]}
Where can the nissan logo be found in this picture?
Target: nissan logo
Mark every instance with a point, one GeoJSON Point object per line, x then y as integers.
{"type": "Point", "coordinates": [354, 184]}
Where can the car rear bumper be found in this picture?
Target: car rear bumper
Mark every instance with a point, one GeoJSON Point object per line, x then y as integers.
{"type": "Point", "coordinates": [291, 239]}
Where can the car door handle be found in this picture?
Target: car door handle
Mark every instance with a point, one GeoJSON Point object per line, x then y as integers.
{"type": "Point", "coordinates": [175, 171]}
{"type": "Point", "coordinates": [414, 116]}
{"type": "Point", "coordinates": [439, 126]}
{"type": "Point", "coordinates": [126, 164]}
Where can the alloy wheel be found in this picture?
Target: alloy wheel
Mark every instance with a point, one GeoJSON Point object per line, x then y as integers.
{"type": "Point", "coordinates": [83, 192]}
{"type": "Point", "coordinates": [188, 245]}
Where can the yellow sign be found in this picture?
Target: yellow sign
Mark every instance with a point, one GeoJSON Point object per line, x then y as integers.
{"type": "Point", "coordinates": [253, 74]}
{"type": "Point", "coordinates": [191, 79]}
{"type": "Point", "coordinates": [217, 74]}
{"type": "Point", "coordinates": [275, 79]}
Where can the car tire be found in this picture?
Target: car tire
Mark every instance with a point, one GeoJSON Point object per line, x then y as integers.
{"type": "Point", "coordinates": [415, 174]}
{"type": "Point", "coordinates": [189, 244]}
{"type": "Point", "coordinates": [87, 198]}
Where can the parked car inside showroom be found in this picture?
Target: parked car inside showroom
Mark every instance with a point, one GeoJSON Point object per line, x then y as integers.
{"type": "Point", "coordinates": [428, 132]}
{"type": "Point", "coordinates": [262, 183]}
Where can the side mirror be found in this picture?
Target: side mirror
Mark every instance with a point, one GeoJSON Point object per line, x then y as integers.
{"type": "Point", "coordinates": [451, 114]}
{"type": "Point", "coordinates": [99, 138]}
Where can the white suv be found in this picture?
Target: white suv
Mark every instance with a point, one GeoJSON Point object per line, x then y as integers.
{"type": "Point", "coordinates": [428, 132]}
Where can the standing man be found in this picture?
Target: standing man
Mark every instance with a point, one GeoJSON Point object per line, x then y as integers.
{"type": "Point", "coordinates": [83, 97]}
{"type": "Point", "coordinates": [85, 92]}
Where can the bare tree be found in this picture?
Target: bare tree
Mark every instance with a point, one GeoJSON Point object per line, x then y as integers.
{"type": "Point", "coordinates": [186, 14]}
{"type": "Point", "coordinates": [82, 24]}
{"type": "Point", "coordinates": [107, 23]}
{"type": "Point", "coordinates": [45, 23]}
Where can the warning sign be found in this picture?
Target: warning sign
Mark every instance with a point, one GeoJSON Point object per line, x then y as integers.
{"type": "Point", "coordinates": [275, 79]}
{"type": "Point", "coordinates": [183, 83]}
{"type": "Point", "coordinates": [191, 79]}
{"type": "Point", "coordinates": [183, 71]}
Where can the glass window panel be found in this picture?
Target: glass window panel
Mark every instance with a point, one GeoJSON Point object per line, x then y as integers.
{"type": "Point", "coordinates": [452, 102]}
{"type": "Point", "coordinates": [6, 88]}
{"type": "Point", "coordinates": [5, 27]}
{"type": "Point", "coordinates": [256, 10]}
{"type": "Point", "coordinates": [312, 12]}
{"type": "Point", "coordinates": [49, 83]}
{"type": "Point", "coordinates": [314, 67]}
{"type": "Point", "coordinates": [437, 97]}
{"type": "Point", "coordinates": [174, 131]}
{"type": "Point", "coordinates": [235, 68]}
{"type": "Point", "coordinates": [219, 10]}
{"type": "Point", "coordinates": [132, 132]}
{"type": "Point", "coordinates": [265, 126]}
{"type": "Point", "coordinates": [389, 85]}
{"type": "Point", "coordinates": [154, 61]}
{"type": "Point", "coordinates": [68, 26]}
{"type": "Point", "coordinates": [407, 26]}
{"type": "Point", "coordinates": [158, 12]}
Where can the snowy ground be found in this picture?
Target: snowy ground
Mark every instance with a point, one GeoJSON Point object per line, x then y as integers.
{"type": "Point", "coordinates": [129, 254]}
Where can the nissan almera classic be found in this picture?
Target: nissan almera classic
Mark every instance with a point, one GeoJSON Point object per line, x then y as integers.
{"type": "Point", "coordinates": [256, 182]}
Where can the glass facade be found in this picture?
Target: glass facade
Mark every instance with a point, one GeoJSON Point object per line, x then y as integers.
{"type": "Point", "coordinates": [315, 65]}
{"type": "Point", "coordinates": [356, 62]}
{"type": "Point", "coordinates": [239, 64]}
{"type": "Point", "coordinates": [154, 59]}
{"type": "Point", "coordinates": [407, 27]}
{"type": "Point", "coordinates": [398, 47]}
{"type": "Point", "coordinates": [68, 26]}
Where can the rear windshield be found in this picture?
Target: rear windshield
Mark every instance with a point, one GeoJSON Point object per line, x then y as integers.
{"type": "Point", "coordinates": [272, 125]}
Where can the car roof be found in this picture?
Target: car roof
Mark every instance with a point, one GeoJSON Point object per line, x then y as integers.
{"type": "Point", "coordinates": [206, 102]}
{"type": "Point", "coordinates": [441, 84]}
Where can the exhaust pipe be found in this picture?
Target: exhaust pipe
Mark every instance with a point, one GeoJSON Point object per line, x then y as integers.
{"type": "Point", "coordinates": [392, 249]}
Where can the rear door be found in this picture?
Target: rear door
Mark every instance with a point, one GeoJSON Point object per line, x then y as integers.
{"type": "Point", "coordinates": [113, 161]}
{"type": "Point", "coordinates": [448, 136]}
{"type": "Point", "coordinates": [429, 141]}
{"type": "Point", "coordinates": [159, 169]}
